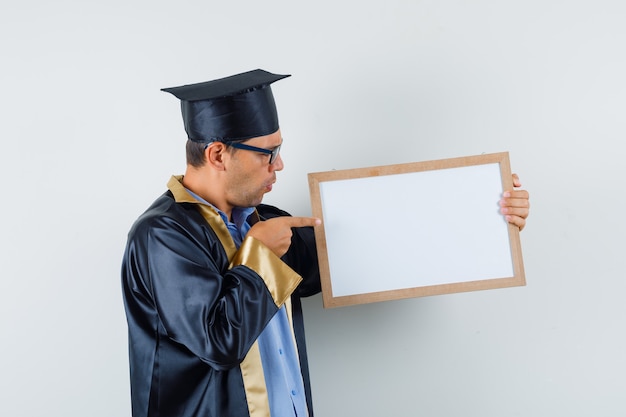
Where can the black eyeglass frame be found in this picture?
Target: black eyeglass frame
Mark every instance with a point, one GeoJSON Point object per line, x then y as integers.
{"type": "Point", "coordinates": [272, 152]}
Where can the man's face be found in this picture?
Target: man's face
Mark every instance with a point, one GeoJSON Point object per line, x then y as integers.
{"type": "Point", "coordinates": [249, 173]}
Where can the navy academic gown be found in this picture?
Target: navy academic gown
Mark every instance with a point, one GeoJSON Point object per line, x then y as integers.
{"type": "Point", "coordinates": [195, 306]}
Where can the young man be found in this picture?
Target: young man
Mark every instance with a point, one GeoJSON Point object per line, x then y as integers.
{"type": "Point", "coordinates": [212, 278]}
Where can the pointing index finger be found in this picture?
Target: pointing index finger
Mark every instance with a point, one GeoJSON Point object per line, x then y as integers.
{"type": "Point", "coordinates": [304, 221]}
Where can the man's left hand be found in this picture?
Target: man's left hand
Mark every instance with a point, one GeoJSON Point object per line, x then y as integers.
{"type": "Point", "coordinates": [515, 204]}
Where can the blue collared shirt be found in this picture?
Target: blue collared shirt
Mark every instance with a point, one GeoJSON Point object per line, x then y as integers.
{"type": "Point", "coordinates": [279, 356]}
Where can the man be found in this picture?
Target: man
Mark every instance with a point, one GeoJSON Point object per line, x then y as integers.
{"type": "Point", "coordinates": [212, 278]}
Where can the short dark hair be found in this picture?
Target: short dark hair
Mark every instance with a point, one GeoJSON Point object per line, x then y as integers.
{"type": "Point", "coordinates": [195, 153]}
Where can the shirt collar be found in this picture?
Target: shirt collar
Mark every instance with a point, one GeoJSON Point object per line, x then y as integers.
{"type": "Point", "coordinates": [239, 214]}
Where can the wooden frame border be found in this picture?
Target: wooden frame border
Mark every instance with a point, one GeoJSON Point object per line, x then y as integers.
{"type": "Point", "coordinates": [315, 183]}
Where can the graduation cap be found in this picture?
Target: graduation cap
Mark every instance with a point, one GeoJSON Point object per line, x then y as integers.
{"type": "Point", "coordinates": [234, 108]}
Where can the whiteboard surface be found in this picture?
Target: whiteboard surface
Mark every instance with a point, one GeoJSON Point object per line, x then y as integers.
{"type": "Point", "coordinates": [415, 229]}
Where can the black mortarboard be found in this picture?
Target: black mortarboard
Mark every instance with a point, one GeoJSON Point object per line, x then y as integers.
{"type": "Point", "coordinates": [233, 108]}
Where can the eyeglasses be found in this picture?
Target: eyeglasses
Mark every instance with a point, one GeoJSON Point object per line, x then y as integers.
{"type": "Point", "coordinates": [273, 153]}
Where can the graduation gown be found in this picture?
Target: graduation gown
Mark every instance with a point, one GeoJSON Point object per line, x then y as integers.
{"type": "Point", "coordinates": [195, 306]}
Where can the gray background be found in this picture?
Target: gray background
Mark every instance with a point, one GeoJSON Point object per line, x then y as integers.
{"type": "Point", "coordinates": [88, 142]}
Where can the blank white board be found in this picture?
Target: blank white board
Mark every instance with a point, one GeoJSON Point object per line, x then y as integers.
{"type": "Point", "coordinates": [416, 229]}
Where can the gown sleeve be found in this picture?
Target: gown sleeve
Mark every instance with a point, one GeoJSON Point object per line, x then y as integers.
{"type": "Point", "coordinates": [178, 282]}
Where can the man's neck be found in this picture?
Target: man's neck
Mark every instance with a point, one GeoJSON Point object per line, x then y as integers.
{"type": "Point", "coordinates": [196, 181]}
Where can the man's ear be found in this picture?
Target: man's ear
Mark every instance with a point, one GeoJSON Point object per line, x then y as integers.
{"type": "Point", "coordinates": [214, 154]}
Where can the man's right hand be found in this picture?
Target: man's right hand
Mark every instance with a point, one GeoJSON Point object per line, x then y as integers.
{"type": "Point", "coordinates": [276, 233]}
